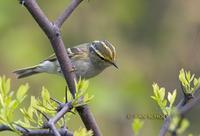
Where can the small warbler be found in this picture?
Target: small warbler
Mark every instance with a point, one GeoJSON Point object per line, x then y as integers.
{"type": "Point", "coordinates": [88, 60]}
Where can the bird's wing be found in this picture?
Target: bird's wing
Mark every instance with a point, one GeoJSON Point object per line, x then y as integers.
{"type": "Point", "coordinates": [77, 52]}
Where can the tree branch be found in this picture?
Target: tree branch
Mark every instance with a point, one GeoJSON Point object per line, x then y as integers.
{"type": "Point", "coordinates": [52, 31]}
{"type": "Point", "coordinates": [66, 108]}
{"type": "Point", "coordinates": [68, 11]}
{"type": "Point", "coordinates": [182, 107]}
{"type": "Point", "coordinates": [189, 105]}
{"type": "Point", "coordinates": [51, 123]}
{"type": "Point", "coordinates": [40, 132]}
{"type": "Point", "coordinates": [88, 119]}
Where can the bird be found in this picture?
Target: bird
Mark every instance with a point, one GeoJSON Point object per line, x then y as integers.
{"type": "Point", "coordinates": [88, 60]}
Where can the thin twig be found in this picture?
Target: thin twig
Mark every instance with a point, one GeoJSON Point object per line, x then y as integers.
{"type": "Point", "coordinates": [40, 132]}
{"type": "Point", "coordinates": [44, 115]}
{"type": "Point", "coordinates": [56, 101]}
{"type": "Point", "coordinates": [186, 99]}
{"type": "Point", "coordinates": [68, 11]}
{"type": "Point", "coordinates": [54, 129]}
{"type": "Point", "coordinates": [182, 107]}
{"type": "Point", "coordinates": [189, 105]}
{"type": "Point", "coordinates": [67, 107]}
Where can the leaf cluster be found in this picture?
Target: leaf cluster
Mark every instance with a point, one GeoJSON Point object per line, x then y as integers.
{"type": "Point", "coordinates": [10, 101]}
{"type": "Point", "coordinates": [165, 100]}
{"type": "Point", "coordinates": [41, 109]}
{"type": "Point", "coordinates": [188, 81]}
{"type": "Point", "coordinates": [165, 104]}
{"type": "Point", "coordinates": [137, 125]}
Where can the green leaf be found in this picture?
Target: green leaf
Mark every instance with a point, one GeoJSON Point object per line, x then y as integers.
{"type": "Point", "coordinates": [159, 97]}
{"type": "Point", "coordinates": [154, 98]}
{"type": "Point", "coordinates": [21, 92]}
{"type": "Point", "coordinates": [192, 78]}
{"type": "Point", "coordinates": [155, 89]}
{"type": "Point", "coordinates": [196, 83]}
{"type": "Point", "coordinates": [13, 105]}
{"type": "Point", "coordinates": [4, 85]}
{"type": "Point", "coordinates": [188, 82]}
{"type": "Point", "coordinates": [83, 132]}
{"type": "Point", "coordinates": [182, 75]}
{"type": "Point", "coordinates": [174, 123]}
{"type": "Point", "coordinates": [171, 97]}
{"type": "Point", "coordinates": [45, 95]}
{"type": "Point", "coordinates": [188, 75]}
{"type": "Point", "coordinates": [184, 125]}
{"type": "Point", "coordinates": [81, 96]}
{"type": "Point", "coordinates": [161, 93]}
{"type": "Point", "coordinates": [137, 125]}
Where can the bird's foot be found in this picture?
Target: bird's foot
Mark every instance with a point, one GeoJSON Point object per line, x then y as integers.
{"type": "Point", "coordinates": [73, 69]}
{"type": "Point", "coordinates": [22, 2]}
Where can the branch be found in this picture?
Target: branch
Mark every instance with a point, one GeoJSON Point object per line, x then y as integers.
{"type": "Point", "coordinates": [186, 99]}
{"type": "Point", "coordinates": [88, 119]}
{"type": "Point", "coordinates": [41, 132]}
{"type": "Point", "coordinates": [66, 108]}
{"type": "Point", "coordinates": [68, 11]}
{"type": "Point", "coordinates": [52, 31]}
{"type": "Point", "coordinates": [189, 105]}
{"type": "Point", "coordinates": [186, 104]}
{"type": "Point", "coordinates": [51, 124]}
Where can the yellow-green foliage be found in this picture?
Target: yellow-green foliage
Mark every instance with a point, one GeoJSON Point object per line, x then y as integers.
{"type": "Point", "coordinates": [137, 125]}
{"type": "Point", "coordinates": [83, 132]}
{"type": "Point", "coordinates": [165, 104]}
{"type": "Point", "coordinates": [188, 81]}
{"type": "Point", "coordinates": [81, 96]}
{"type": "Point", "coordinates": [9, 101]}
{"type": "Point", "coordinates": [189, 84]}
{"type": "Point", "coordinates": [32, 115]}
{"type": "Point", "coordinates": [175, 121]}
{"type": "Point", "coordinates": [43, 105]}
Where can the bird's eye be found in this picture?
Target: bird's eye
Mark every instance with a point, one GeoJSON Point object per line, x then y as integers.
{"type": "Point", "coordinates": [101, 57]}
{"type": "Point", "coordinates": [95, 51]}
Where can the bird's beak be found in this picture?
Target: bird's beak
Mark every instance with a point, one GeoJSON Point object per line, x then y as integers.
{"type": "Point", "coordinates": [115, 65]}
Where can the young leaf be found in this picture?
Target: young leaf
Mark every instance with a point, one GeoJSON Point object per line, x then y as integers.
{"type": "Point", "coordinates": [137, 125]}
{"type": "Point", "coordinates": [171, 97]}
{"type": "Point", "coordinates": [83, 132]}
{"type": "Point", "coordinates": [45, 95]}
{"type": "Point", "coordinates": [161, 93]}
{"type": "Point", "coordinates": [184, 125]}
{"type": "Point", "coordinates": [21, 92]}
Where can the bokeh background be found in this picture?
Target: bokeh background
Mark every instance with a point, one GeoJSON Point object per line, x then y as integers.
{"type": "Point", "coordinates": [154, 40]}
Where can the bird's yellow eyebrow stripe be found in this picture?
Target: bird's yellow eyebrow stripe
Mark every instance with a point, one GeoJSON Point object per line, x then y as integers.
{"type": "Point", "coordinates": [114, 51]}
{"type": "Point", "coordinates": [112, 48]}
{"type": "Point", "coordinates": [108, 49]}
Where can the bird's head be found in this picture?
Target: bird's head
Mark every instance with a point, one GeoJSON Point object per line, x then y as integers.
{"type": "Point", "coordinates": [105, 51]}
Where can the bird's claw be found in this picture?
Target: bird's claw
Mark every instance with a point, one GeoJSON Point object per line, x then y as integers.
{"type": "Point", "coordinates": [73, 69]}
{"type": "Point", "coordinates": [22, 2]}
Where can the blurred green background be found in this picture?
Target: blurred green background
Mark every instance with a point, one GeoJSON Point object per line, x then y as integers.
{"type": "Point", "coordinates": [154, 40]}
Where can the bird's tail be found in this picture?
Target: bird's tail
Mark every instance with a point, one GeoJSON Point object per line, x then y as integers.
{"type": "Point", "coordinates": [25, 72]}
